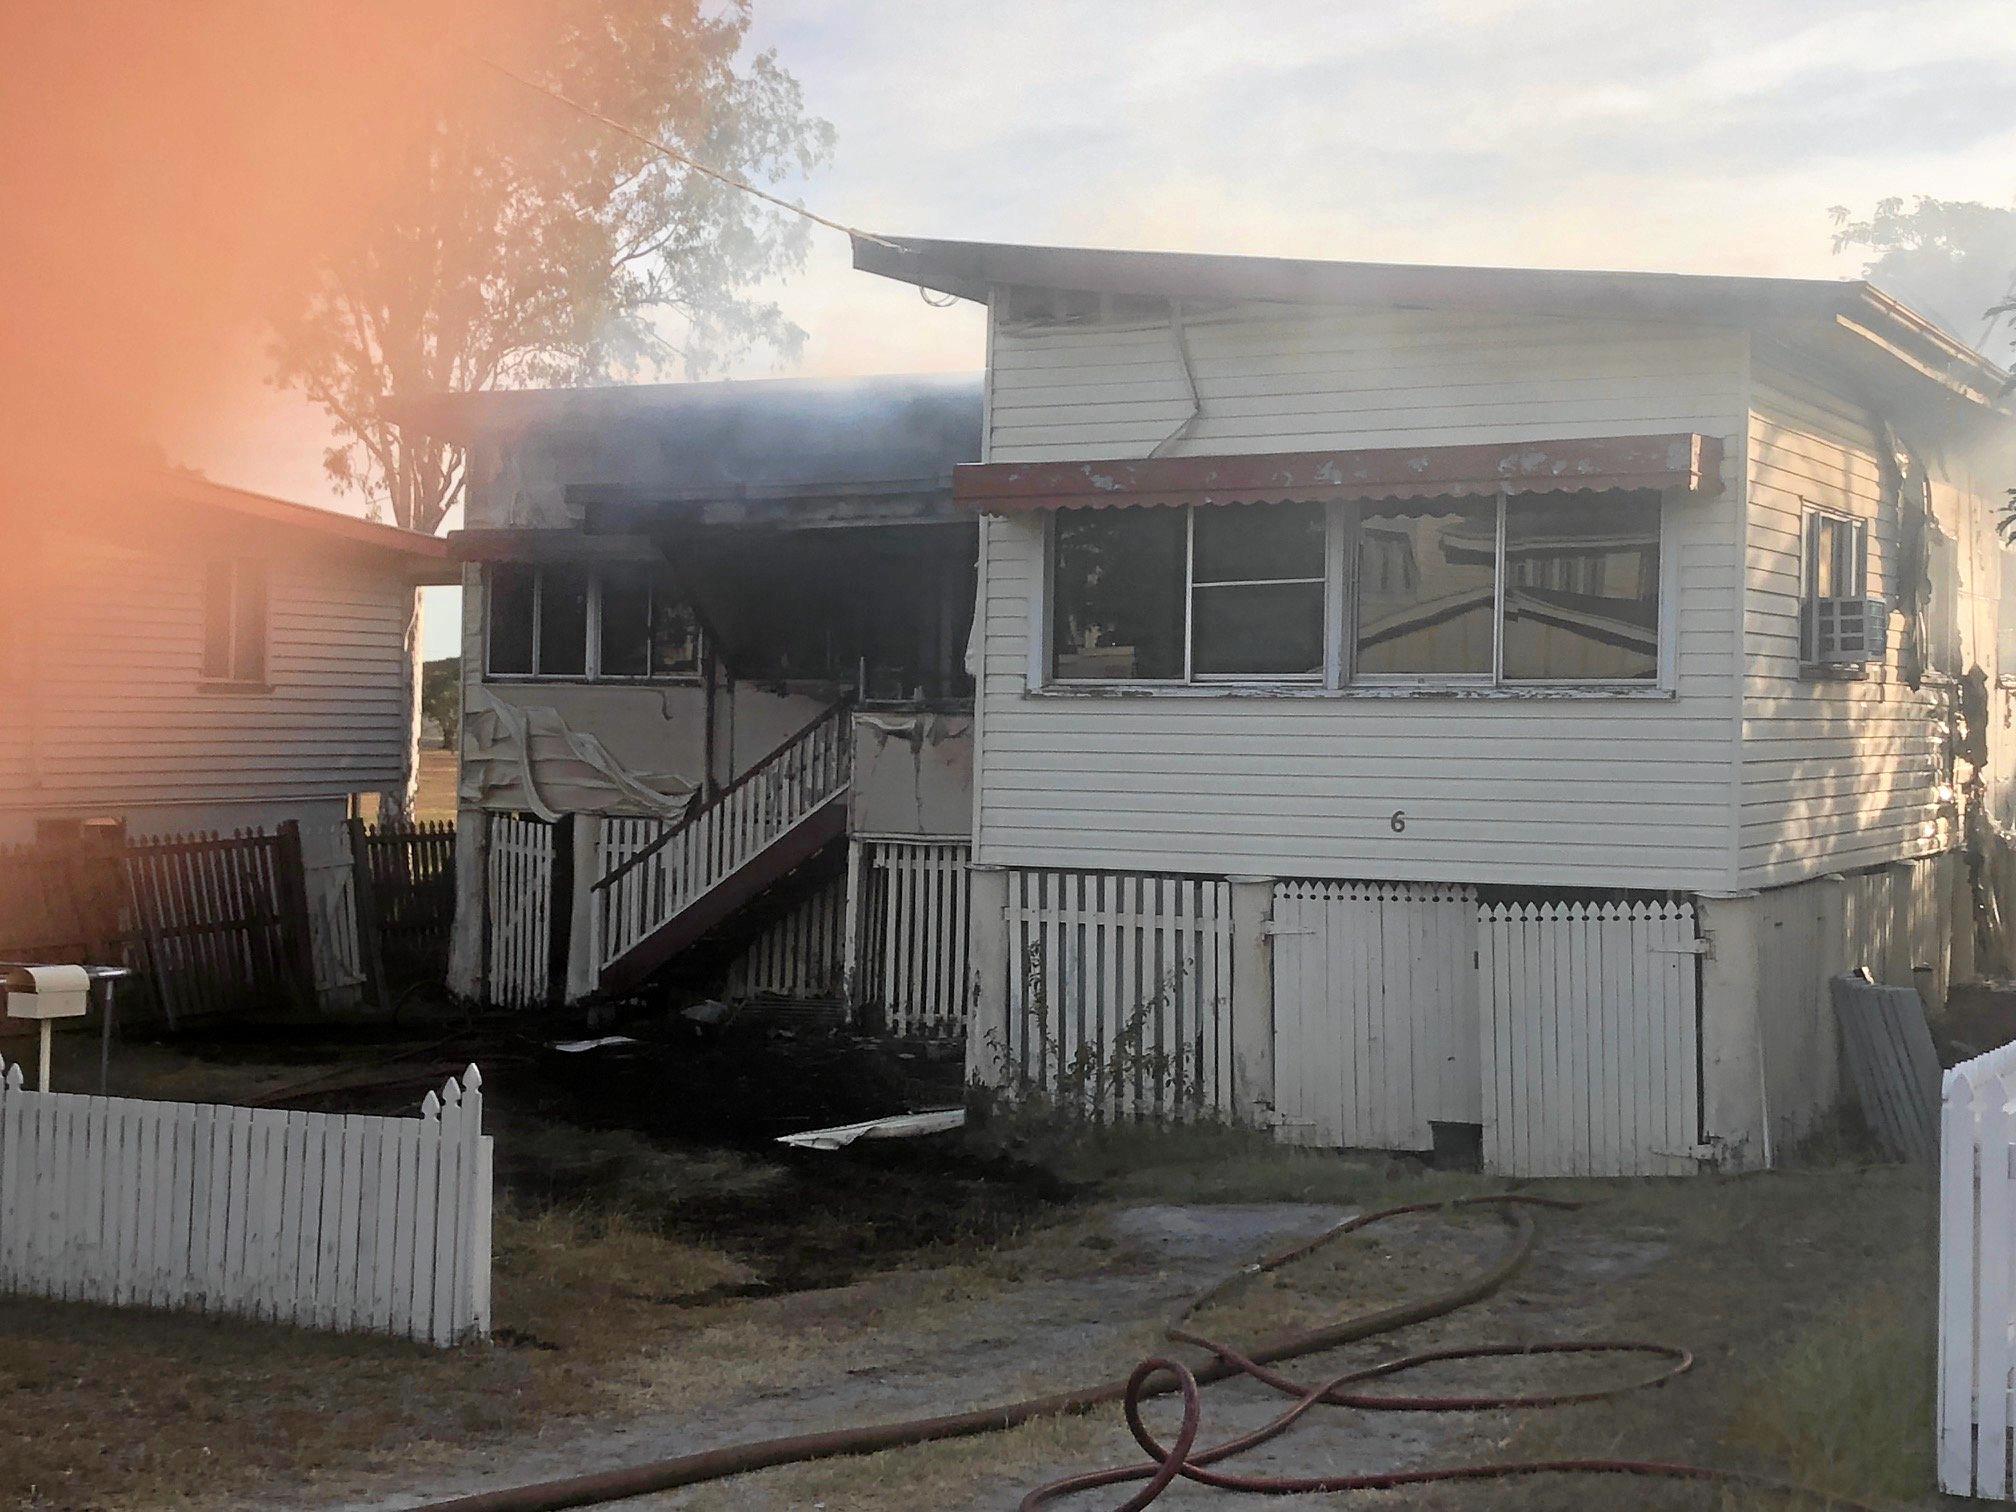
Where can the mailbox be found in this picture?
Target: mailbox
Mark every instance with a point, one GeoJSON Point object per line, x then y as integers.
{"type": "Point", "coordinates": [46, 992]}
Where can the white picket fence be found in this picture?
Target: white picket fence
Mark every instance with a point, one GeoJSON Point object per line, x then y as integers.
{"type": "Point", "coordinates": [1977, 1275]}
{"type": "Point", "coordinates": [1119, 991]}
{"type": "Point", "coordinates": [799, 955]}
{"type": "Point", "coordinates": [332, 1221]}
{"type": "Point", "coordinates": [1590, 1038]}
{"type": "Point", "coordinates": [917, 929]}
{"type": "Point", "coordinates": [521, 912]}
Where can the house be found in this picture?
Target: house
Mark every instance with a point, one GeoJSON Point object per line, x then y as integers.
{"type": "Point", "coordinates": [1411, 708]}
{"type": "Point", "coordinates": [186, 656]}
{"type": "Point", "coordinates": [714, 685]}
{"type": "Point", "coordinates": [181, 662]}
{"type": "Point", "coordinates": [1424, 703]}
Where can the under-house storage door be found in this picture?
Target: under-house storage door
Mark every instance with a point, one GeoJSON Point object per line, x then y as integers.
{"type": "Point", "coordinates": [1375, 1012]}
{"type": "Point", "coordinates": [1590, 1038]}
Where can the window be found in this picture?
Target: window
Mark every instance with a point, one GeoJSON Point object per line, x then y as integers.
{"type": "Point", "coordinates": [573, 622]}
{"type": "Point", "coordinates": [1543, 588]}
{"type": "Point", "coordinates": [234, 621]}
{"type": "Point", "coordinates": [1256, 591]}
{"type": "Point", "coordinates": [1835, 568]}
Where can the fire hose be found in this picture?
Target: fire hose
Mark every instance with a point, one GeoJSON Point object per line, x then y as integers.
{"type": "Point", "coordinates": [1162, 1376]}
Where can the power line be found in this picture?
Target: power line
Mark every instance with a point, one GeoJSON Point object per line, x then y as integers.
{"type": "Point", "coordinates": [733, 181]}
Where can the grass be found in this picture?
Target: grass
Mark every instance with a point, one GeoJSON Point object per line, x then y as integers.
{"type": "Point", "coordinates": [633, 1276]}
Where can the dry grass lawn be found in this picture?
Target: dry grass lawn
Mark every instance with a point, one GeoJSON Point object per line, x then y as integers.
{"type": "Point", "coordinates": [1805, 1296]}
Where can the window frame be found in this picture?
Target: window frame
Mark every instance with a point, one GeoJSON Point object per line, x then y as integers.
{"type": "Point", "coordinates": [1342, 536]}
{"type": "Point", "coordinates": [1810, 517]}
{"type": "Point", "coordinates": [238, 571]}
{"type": "Point", "coordinates": [592, 658]}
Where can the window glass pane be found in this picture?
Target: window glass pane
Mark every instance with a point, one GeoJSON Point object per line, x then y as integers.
{"type": "Point", "coordinates": [1270, 628]}
{"type": "Point", "coordinates": [510, 619]}
{"type": "Point", "coordinates": [626, 623]}
{"type": "Point", "coordinates": [563, 621]}
{"type": "Point", "coordinates": [217, 619]}
{"type": "Point", "coordinates": [1118, 586]}
{"type": "Point", "coordinates": [675, 637]}
{"type": "Point", "coordinates": [1424, 587]}
{"type": "Point", "coordinates": [248, 637]}
{"type": "Point", "coordinates": [1242, 542]}
{"type": "Point", "coordinates": [1582, 587]}
{"type": "Point", "coordinates": [1828, 577]}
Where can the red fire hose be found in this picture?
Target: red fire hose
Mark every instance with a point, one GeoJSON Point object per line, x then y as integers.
{"type": "Point", "coordinates": [1160, 1377]}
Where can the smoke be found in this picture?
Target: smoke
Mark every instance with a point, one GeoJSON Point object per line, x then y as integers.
{"type": "Point", "coordinates": [173, 170]}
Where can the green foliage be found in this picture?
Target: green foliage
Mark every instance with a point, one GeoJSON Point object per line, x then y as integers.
{"type": "Point", "coordinates": [441, 696]}
{"type": "Point", "coordinates": [522, 242]}
{"type": "Point", "coordinates": [1954, 260]}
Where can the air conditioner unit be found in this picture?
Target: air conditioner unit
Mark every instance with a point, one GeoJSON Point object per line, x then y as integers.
{"type": "Point", "coordinates": [1847, 630]}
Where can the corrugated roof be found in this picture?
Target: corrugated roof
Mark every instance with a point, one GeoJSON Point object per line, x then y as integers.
{"type": "Point", "coordinates": [969, 269]}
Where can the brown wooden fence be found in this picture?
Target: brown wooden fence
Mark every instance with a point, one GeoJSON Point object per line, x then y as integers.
{"type": "Point", "coordinates": [220, 922]}
{"type": "Point", "coordinates": [405, 900]}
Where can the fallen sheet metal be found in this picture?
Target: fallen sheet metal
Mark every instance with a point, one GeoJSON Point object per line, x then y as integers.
{"type": "Point", "coordinates": [1888, 1046]}
{"type": "Point", "coordinates": [902, 1126]}
{"type": "Point", "coordinates": [577, 1047]}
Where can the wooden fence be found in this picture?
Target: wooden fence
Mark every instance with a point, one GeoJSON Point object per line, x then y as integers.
{"type": "Point", "coordinates": [405, 888]}
{"type": "Point", "coordinates": [1977, 1276]}
{"type": "Point", "coordinates": [1590, 1038]}
{"type": "Point", "coordinates": [1375, 1012]}
{"type": "Point", "coordinates": [221, 921]}
{"type": "Point", "coordinates": [519, 936]}
{"type": "Point", "coordinates": [1120, 990]}
{"type": "Point", "coordinates": [334, 1221]}
{"type": "Point", "coordinates": [914, 931]}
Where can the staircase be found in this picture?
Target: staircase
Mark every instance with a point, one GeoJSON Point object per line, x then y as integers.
{"type": "Point", "coordinates": [669, 894]}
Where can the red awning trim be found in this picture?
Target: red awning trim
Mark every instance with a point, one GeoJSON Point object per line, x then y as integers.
{"type": "Point", "coordinates": [1687, 462]}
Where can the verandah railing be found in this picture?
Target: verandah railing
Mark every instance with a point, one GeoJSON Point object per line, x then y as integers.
{"type": "Point", "coordinates": [652, 870]}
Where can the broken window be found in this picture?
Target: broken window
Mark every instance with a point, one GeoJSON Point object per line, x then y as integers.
{"type": "Point", "coordinates": [234, 621]}
{"type": "Point", "coordinates": [1835, 569]}
{"type": "Point", "coordinates": [573, 622]}
{"type": "Point", "coordinates": [1118, 586]}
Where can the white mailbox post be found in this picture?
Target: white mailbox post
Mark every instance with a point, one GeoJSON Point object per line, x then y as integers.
{"type": "Point", "coordinates": [46, 993]}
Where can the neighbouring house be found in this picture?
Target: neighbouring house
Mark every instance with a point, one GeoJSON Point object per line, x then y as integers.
{"type": "Point", "coordinates": [1423, 702]}
{"type": "Point", "coordinates": [179, 658]}
{"type": "Point", "coordinates": [716, 713]}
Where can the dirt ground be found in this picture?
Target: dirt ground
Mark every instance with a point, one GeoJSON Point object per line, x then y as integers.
{"type": "Point", "coordinates": [656, 1294]}
{"type": "Point", "coordinates": [435, 798]}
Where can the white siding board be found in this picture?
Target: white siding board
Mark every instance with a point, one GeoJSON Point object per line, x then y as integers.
{"type": "Point", "coordinates": [1494, 790]}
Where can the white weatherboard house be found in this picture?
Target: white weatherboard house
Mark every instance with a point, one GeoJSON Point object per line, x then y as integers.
{"type": "Point", "coordinates": [1414, 700]}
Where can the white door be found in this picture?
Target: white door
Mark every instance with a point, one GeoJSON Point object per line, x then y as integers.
{"type": "Point", "coordinates": [1375, 1012]}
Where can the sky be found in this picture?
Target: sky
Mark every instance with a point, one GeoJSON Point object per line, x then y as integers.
{"type": "Point", "coordinates": [1676, 135]}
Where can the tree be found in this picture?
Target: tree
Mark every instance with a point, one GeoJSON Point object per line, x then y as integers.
{"type": "Point", "coordinates": [516, 241]}
{"type": "Point", "coordinates": [441, 697]}
{"type": "Point", "coordinates": [1954, 260]}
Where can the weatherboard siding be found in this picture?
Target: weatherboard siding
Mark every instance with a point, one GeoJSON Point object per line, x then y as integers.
{"type": "Point", "coordinates": [1837, 775]}
{"type": "Point", "coordinates": [1623, 791]}
{"type": "Point", "coordinates": [110, 712]}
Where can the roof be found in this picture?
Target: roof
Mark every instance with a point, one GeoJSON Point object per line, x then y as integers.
{"type": "Point", "coordinates": [970, 269]}
{"type": "Point", "coordinates": [697, 439]}
{"type": "Point", "coordinates": [422, 552]}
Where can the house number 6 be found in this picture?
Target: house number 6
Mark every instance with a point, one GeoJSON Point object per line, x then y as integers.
{"type": "Point", "coordinates": [1398, 821]}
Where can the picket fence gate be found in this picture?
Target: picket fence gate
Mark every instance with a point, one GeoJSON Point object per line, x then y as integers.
{"type": "Point", "coordinates": [1977, 1275]}
{"type": "Point", "coordinates": [1120, 989]}
{"type": "Point", "coordinates": [1375, 1012]}
{"type": "Point", "coordinates": [1591, 1038]}
{"type": "Point", "coordinates": [335, 1221]}
{"type": "Point", "coordinates": [520, 936]}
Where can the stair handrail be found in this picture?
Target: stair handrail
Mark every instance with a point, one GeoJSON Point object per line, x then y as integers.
{"type": "Point", "coordinates": [783, 748]}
